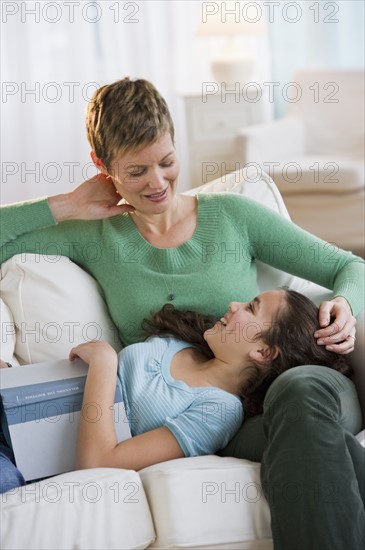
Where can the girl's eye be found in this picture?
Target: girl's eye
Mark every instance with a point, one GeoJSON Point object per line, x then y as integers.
{"type": "Point", "coordinates": [250, 307]}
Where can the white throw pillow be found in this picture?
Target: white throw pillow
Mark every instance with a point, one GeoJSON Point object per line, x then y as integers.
{"type": "Point", "coordinates": [55, 305]}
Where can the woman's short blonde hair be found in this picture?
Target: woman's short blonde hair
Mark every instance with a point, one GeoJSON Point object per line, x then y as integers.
{"type": "Point", "coordinates": [126, 115]}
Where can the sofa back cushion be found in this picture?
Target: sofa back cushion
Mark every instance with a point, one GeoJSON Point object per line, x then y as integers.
{"type": "Point", "coordinates": [54, 305]}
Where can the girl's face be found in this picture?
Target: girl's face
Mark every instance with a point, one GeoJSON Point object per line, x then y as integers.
{"type": "Point", "coordinates": [147, 179]}
{"type": "Point", "coordinates": [236, 337]}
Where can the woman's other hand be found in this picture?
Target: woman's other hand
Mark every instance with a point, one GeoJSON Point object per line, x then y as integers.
{"type": "Point", "coordinates": [338, 332]}
{"type": "Point", "coordinates": [3, 365]}
{"type": "Point", "coordinates": [94, 199]}
{"type": "Point", "coordinates": [96, 351]}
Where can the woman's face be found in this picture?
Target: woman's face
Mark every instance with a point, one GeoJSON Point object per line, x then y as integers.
{"type": "Point", "coordinates": [147, 179]}
{"type": "Point", "coordinates": [236, 336]}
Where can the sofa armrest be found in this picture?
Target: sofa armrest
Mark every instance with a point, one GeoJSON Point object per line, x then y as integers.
{"type": "Point", "coordinates": [271, 142]}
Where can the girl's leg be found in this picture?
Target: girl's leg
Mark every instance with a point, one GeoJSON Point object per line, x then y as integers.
{"type": "Point", "coordinates": [10, 477]}
{"type": "Point", "coordinates": [313, 469]}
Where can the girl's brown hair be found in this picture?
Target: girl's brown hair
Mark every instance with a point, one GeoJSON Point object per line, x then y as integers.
{"type": "Point", "coordinates": [291, 331]}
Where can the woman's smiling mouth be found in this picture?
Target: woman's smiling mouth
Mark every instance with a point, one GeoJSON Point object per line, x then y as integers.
{"type": "Point", "coordinates": [156, 197]}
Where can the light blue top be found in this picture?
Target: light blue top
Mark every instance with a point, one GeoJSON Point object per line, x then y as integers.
{"type": "Point", "coordinates": [203, 419]}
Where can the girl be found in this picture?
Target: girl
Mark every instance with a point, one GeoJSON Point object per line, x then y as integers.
{"type": "Point", "coordinates": [184, 386]}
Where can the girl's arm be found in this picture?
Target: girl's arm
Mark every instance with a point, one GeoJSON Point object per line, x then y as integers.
{"type": "Point", "coordinates": [97, 443]}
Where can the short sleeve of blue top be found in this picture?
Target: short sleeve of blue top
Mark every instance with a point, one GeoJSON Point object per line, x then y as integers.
{"type": "Point", "coordinates": [203, 419]}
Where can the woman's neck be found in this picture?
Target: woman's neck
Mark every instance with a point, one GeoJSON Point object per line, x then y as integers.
{"type": "Point", "coordinates": [171, 228]}
{"type": "Point", "coordinates": [162, 223]}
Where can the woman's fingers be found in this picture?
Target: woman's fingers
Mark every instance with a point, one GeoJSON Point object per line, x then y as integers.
{"type": "Point", "coordinates": [339, 335]}
{"type": "Point", "coordinates": [324, 316]}
{"type": "Point", "coordinates": [345, 347]}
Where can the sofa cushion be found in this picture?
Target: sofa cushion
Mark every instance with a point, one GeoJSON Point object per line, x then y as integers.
{"type": "Point", "coordinates": [207, 502]}
{"type": "Point", "coordinates": [88, 509]}
{"type": "Point", "coordinates": [55, 305]}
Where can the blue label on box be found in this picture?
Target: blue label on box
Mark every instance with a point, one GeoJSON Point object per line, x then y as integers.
{"type": "Point", "coordinates": [46, 400]}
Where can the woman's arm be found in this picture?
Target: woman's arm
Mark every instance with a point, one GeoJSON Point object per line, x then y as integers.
{"type": "Point", "coordinates": [36, 220]}
{"type": "Point", "coordinates": [97, 443]}
{"type": "Point", "coordinates": [282, 244]}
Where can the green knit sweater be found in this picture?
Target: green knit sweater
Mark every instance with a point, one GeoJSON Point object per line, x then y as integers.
{"type": "Point", "coordinates": [205, 273]}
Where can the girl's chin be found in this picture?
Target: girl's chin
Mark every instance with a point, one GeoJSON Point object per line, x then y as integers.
{"type": "Point", "coordinates": [211, 331]}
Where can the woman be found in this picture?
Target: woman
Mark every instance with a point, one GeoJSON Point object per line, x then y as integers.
{"type": "Point", "coordinates": [160, 247]}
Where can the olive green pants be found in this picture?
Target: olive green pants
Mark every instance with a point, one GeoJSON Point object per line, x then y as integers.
{"type": "Point", "coordinates": [312, 466]}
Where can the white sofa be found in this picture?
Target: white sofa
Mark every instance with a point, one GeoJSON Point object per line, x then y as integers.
{"type": "Point", "coordinates": [315, 154]}
{"type": "Point", "coordinates": [48, 304]}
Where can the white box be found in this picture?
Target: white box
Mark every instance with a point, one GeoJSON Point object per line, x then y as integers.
{"type": "Point", "coordinates": [41, 407]}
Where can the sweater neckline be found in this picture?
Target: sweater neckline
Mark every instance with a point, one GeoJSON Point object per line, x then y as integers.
{"type": "Point", "coordinates": [191, 250]}
{"type": "Point", "coordinates": [140, 237]}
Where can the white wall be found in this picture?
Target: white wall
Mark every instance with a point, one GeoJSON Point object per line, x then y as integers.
{"type": "Point", "coordinates": [62, 51]}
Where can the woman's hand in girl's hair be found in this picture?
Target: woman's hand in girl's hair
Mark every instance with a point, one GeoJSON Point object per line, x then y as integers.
{"type": "Point", "coordinates": [338, 332]}
{"type": "Point", "coordinates": [96, 351]}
